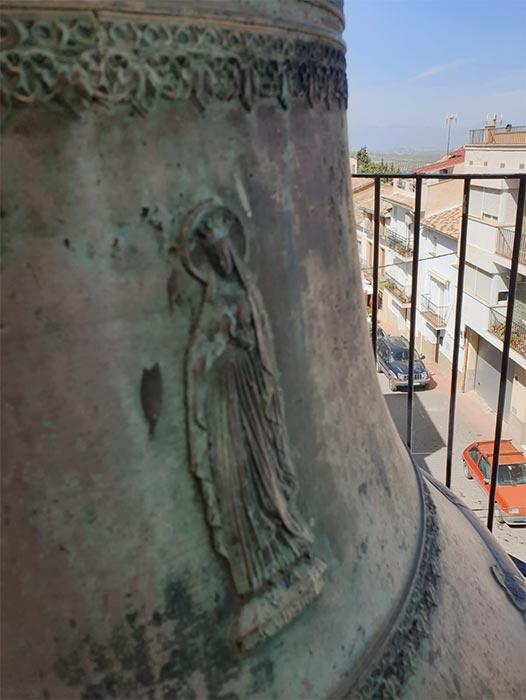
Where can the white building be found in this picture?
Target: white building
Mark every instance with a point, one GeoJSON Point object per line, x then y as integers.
{"type": "Point", "coordinates": [437, 285]}
{"type": "Point", "coordinates": [491, 225]}
{"type": "Point", "coordinates": [438, 196]}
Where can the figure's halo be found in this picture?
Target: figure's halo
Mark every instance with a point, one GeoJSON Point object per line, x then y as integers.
{"type": "Point", "coordinates": [192, 260]}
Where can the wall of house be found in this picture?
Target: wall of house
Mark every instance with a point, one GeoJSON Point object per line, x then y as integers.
{"type": "Point", "coordinates": [471, 341]}
{"type": "Point", "coordinates": [394, 316]}
{"type": "Point", "coordinates": [439, 195]}
{"type": "Point", "coordinates": [508, 211]}
{"type": "Point", "coordinates": [400, 217]}
{"type": "Point", "coordinates": [481, 245]}
{"type": "Point", "coordinates": [437, 277]}
{"type": "Point", "coordinates": [489, 158]}
{"type": "Point", "coordinates": [517, 416]}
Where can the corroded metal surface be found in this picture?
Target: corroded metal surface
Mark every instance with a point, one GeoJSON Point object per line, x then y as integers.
{"type": "Point", "coordinates": [238, 445]}
{"type": "Point", "coordinates": [203, 495]}
{"type": "Point", "coordinates": [397, 654]}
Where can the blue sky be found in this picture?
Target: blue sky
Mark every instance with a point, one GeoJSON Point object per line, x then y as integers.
{"type": "Point", "coordinates": [412, 61]}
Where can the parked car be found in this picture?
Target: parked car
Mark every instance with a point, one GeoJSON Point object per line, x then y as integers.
{"type": "Point", "coordinates": [393, 361]}
{"type": "Point", "coordinates": [510, 496]}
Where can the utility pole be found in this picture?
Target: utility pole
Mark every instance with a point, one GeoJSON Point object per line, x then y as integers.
{"type": "Point", "coordinates": [450, 118]}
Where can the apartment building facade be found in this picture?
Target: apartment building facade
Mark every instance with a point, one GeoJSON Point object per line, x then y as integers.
{"type": "Point", "coordinates": [490, 238]}
{"type": "Point", "coordinates": [491, 225]}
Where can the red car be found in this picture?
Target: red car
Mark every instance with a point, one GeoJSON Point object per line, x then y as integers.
{"type": "Point", "coordinates": [510, 496]}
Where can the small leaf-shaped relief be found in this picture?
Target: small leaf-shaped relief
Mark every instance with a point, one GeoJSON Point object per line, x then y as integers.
{"type": "Point", "coordinates": [151, 396]}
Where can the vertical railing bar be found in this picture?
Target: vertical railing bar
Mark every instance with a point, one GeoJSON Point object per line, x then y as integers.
{"type": "Point", "coordinates": [458, 317]}
{"type": "Point", "coordinates": [412, 316]}
{"type": "Point", "coordinates": [506, 349]}
{"type": "Point", "coordinates": [376, 260]}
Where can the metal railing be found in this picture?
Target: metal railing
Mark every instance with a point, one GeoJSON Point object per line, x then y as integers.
{"type": "Point", "coordinates": [436, 315]}
{"type": "Point", "coordinates": [504, 247]}
{"type": "Point", "coordinates": [497, 326]}
{"type": "Point", "coordinates": [403, 244]}
{"type": "Point", "coordinates": [478, 136]}
{"type": "Point", "coordinates": [508, 324]}
{"type": "Point", "coordinates": [401, 291]}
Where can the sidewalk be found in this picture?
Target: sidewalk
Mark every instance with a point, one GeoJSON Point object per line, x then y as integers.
{"type": "Point", "coordinates": [474, 420]}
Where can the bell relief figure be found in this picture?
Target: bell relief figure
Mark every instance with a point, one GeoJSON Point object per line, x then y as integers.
{"type": "Point", "coordinates": [237, 439]}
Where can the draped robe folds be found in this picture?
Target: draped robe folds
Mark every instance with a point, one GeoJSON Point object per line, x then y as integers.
{"type": "Point", "coordinates": [262, 536]}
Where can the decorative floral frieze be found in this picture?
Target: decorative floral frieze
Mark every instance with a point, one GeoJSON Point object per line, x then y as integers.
{"type": "Point", "coordinates": [83, 60]}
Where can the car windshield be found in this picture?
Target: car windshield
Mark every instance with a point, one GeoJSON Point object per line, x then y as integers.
{"type": "Point", "coordinates": [403, 355]}
{"type": "Point", "coordinates": [512, 474]}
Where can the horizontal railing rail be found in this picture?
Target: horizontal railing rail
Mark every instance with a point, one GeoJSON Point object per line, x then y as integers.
{"type": "Point", "coordinates": [401, 291]}
{"type": "Point", "coordinates": [478, 136]}
{"type": "Point", "coordinates": [504, 247]}
{"type": "Point", "coordinates": [506, 333]}
{"type": "Point", "coordinates": [497, 326]}
{"type": "Point", "coordinates": [400, 242]}
{"type": "Point", "coordinates": [436, 313]}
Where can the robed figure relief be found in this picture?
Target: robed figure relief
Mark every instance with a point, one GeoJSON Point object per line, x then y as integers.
{"type": "Point", "coordinates": [237, 439]}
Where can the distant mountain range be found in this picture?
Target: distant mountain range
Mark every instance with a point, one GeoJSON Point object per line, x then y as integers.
{"type": "Point", "coordinates": [405, 139]}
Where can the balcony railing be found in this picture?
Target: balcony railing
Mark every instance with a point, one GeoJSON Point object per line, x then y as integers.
{"type": "Point", "coordinates": [505, 244]}
{"type": "Point", "coordinates": [497, 326]}
{"type": "Point", "coordinates": [403, 244]}
{"type": "Point", "coordinates": [504, 326]}
{"type": "Point", "coordinates": [478, 136]}
{"type": "Point", "coordinates": [435, 315]}
{"type": "Point", "coordinates": [401, 291]}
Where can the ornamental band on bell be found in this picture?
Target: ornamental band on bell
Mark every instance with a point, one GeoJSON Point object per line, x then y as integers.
{"type": "Point", "coordinates": [84, 60]}
{"type": "Point", "coordinates": [237, 439]}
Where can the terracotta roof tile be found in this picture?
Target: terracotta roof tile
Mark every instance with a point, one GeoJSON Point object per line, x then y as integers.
{"type": "Point", "coordinates": [454, 158]}
{"type": "Point", "coordinates": [363, 197]}
{"type": "Point", "coordinates": [400, 198]}
{"type": "Point", "coordinates": [446, 222]}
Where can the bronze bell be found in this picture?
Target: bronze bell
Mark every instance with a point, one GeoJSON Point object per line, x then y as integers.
{"type": "Point", "coordinates": [203, 493]}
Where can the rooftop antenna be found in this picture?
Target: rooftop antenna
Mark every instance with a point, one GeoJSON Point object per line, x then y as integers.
{"type": "Point", "coordinates": [449, 119]}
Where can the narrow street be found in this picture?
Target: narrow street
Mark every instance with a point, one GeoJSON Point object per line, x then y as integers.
{"type": "Point", "coordinates": [474, 421]}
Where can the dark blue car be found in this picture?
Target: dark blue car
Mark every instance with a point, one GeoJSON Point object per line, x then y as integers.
{"type": "Point", "coordinates": [393, 361]}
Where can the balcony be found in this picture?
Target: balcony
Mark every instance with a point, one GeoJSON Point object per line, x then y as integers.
{"type": "Point", "coordinates": [504, 247]}
{"type": "Point", "coordinates": [403, 244]}
{"type": "Point", "coordinates": [497, 322]}
{"type": "Point", "coordinates": [402, 292]}
{"type": "Point", "coordinates": [434, 315]}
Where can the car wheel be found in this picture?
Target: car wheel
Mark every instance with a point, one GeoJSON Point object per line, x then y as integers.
{"type": "Point", "coordinates": [499, 516]}
{"type": "Point", "coordinates": [467, 473]}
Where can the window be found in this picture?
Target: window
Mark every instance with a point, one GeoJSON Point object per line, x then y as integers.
{"type": "Point", "coordinates": [490, 205]}
{"type": "Point", "coordinates": [478, 283]}
{"type": "Point", "coordinates": [502, 296]}
{"type": "Point", "coordinates": [521, 166]}
{"type": "Point", "coordinates": [485, 468]}
{"type": "Point", "coordinates": [474, 454]}
{"type": "Point", "coordinates": [471, 162]}
{"type": "Point", "coordinates": [485, 162]}
{"type": "Point", "coordinates": [503, 165]}
{"type": "Point", "coordinates": [512, 474]}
